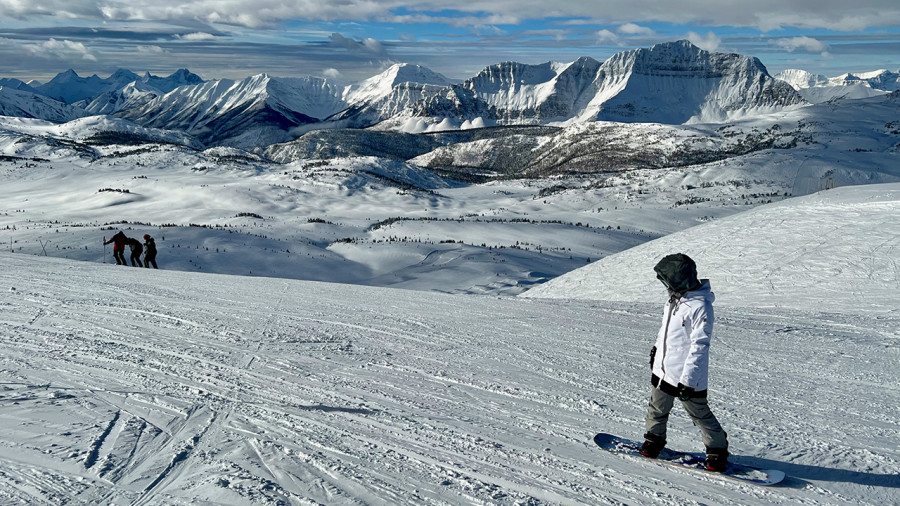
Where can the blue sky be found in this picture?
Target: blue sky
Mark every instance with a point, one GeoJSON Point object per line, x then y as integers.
{"type": "Point", "coordinates": [349, 40]}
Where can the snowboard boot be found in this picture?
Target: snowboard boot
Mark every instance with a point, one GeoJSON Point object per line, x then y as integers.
{"type": "Point", "coordinates": [653, 444]}
{"type": "Point", "coordinates": [716, 459]}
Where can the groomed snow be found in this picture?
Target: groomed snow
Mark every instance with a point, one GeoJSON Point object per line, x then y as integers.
{"type": "Point", "coordinates": [134, 386]}
{"type": "Point", "coordinates": [833, 250]}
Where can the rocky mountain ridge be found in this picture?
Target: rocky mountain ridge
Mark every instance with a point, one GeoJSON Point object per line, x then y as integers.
{"type": "Point", "coordinates": [671, 83]}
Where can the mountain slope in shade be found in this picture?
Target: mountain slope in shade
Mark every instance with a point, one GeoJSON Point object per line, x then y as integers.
{"type": "Point", "coordinates": [16, 84]}
{"type": "Point", "coordinates": [181, 77]}
{"type": "Point", "coordinates": [24, 104]}
{"type": "Point", "coordinates": [255, 111]}
{"type": "Point", "coordinates": [70, 88]}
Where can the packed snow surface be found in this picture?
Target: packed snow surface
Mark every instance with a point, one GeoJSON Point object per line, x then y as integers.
{"type": "Point", "coordinates": [832, 250]}
{"type": "Point", "coordinates": [136, 386]}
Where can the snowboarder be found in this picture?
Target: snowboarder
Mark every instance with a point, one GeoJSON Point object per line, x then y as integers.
{"type": "Point", "coordinates": [136, 250]}
{"type": "Point", "coordinates": [118, 241]}
{"type": "Point", "coordinates": [150, 251]}
{"type": "Point", "coordinates": [680, 361]}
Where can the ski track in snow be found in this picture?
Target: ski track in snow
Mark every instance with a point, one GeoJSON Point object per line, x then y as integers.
{"type": "Point", "coordinates": [125, 386]}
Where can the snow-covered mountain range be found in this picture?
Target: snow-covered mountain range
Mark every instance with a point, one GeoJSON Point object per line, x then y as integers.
{"type": "Point", "coordinates": [255, 111]}
{"type": "Point", "coordinates": [24, 104]}
{"type": "Point", "coordinates": [671, 83]}
{"type": "Point", "coordinates": [817, 88]}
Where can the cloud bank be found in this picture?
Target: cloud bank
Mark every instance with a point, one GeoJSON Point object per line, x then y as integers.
{"type": "Point", "coordinates": [763, 14]}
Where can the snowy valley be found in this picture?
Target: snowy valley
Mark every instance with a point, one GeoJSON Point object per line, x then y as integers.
{"type": "Point", "coordinates": [415, 291]}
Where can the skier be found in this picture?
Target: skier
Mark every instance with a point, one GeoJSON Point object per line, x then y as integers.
{"type": "Point", "coordinates": [150, 248]}
{"type": "Point", "coordinates": [136, 250]}
{"type": "Point", "coordinates": [118, 241]}
{"type": "Point", "coordinates": [680, 361]}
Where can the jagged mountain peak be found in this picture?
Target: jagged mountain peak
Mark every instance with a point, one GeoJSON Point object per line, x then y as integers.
{"type": "Point", "coordinates": [800, 79]}
{"type": "Point", "coordinates": [123, 74]}
{"type": "Point", "coordinates": [408, 72]}
{"type": "Point", "coordinates": [683, 57]}
{"type": "Point", "coordinates": [67, 74]}
{"type": "Point", "coordinates": [180, 77]}
{"type": "Point", "coordinates": [379, 86]}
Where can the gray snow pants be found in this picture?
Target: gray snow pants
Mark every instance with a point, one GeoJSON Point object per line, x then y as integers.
{"type": "Point", "coordinates": [658, 414]}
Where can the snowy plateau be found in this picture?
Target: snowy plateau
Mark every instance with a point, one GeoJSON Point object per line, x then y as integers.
{"type": "Point", "coordinates": [416, 291]}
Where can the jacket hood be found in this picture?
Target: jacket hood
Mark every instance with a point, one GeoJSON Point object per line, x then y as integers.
{"type": "Point", "coordinates": [704, 291]}
{"type": "Point", "coordinates": [678, 273]}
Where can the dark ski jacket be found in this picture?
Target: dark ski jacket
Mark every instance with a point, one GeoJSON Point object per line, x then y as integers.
{"type": "Point", "coordinates": [150, 245]}
{"type": "Point", "coordinates": [118, 241]}
{"type": "Point", "coordinates": [136, 247]}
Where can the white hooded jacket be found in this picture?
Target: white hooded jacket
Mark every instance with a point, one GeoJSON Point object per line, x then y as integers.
{"type": "Point", "coordinates": [682, 346]}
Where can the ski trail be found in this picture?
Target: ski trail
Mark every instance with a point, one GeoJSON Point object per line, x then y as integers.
{"type": "Point", "coordinates": [94, 452]}
{"type": "Point", "coordinates": [181, 450]}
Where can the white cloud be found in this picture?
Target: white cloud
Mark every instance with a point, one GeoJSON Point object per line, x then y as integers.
{"type": "Point", "coordinates": [332, 73]}
{"type": "Point", "coordinates": [193, 37]}
{"type": "Point", "coordinates": [709, 42]}
{"type": "Point", "coordinates": [607, 37]}
{"type": "Point", "coordinates": [373, 45]}
{"type": "Point", "coordinates": [805, 44]}
{"type": "Point", "coordinates": [633, 29]}
{"type": "Point", "coordinates": [150, 50]}
{"type": "Point", "coordinates": [762, 14]}
{"type": "Point", "coordinates": [368, 45]}
{"type": "Point", "coordinates": [62, 49]}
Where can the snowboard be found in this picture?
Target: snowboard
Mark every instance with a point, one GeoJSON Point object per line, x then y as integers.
{"type": "Point", "coordinates": [738, 472]}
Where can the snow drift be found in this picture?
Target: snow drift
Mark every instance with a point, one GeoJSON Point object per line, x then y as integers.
{"type": "Point", "coordinates": [833, 249]}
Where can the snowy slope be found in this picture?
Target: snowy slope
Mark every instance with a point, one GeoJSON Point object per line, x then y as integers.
{"type": "Point", "coordinates": [801, 79]}
{"type": "Point", "coordinates": [133, 96]}
{"type": "Point", "coordinates": [24, 104]}
{"type": "Point", "coordinates": [380, 86]}
{"type": "Point", "coordinates": [255, 111]}
{"type": "Point", "coordinates": [678, 82]}
{"type": "Point", "coordinates": [32, 135]}
{"type": "Point", "coordinates": [819, 88]}
{"type": "Point", "coordinates": [385, 95]}
{"type": "Point", "coordinates": [834, 250]}
{"type": "Point", "coordinates": [345, 207]}
{"type": "Point", "coordinates": [126, 386]}
{"type": "Point", "coordinates": [881, 79]}
{"type": "Point", "coordinates": [852, 142]}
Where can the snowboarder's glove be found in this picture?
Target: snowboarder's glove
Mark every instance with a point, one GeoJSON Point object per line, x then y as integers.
{"type": "Point", "coordinates": [652, 356]}
{"type": "Point", "coordinates": [685, 392]}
